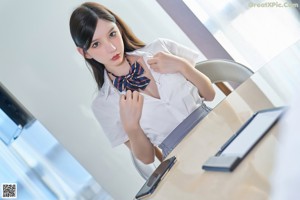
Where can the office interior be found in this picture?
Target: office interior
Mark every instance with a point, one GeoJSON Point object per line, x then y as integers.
{"type": "Point", "coordinates": [64, 154]}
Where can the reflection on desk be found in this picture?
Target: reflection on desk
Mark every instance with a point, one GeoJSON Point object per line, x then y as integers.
{"type": "Point", "coordinates": [271, 86]}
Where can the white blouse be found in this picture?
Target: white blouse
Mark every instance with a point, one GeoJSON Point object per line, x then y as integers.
{"type": "Point", "coordinates": [178, 98]}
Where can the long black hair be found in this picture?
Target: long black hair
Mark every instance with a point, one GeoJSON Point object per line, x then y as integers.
{"type": "Point", "coordinates": [83, 23]}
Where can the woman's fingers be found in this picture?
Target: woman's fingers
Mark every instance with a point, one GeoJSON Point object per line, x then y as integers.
{"type": "Point", "coordinates": [153, 64]}
{"type": "Point", "coordinates": [135, 95]}
{"type": "Point", "coordinates": [131, 105]}
{"type": "Point", "coordinates": [141, 101]}
{"type": "Point", "coordinates": [152, 61]}
{"type": "Point", "coordinates": [164, 63]}
{"type": "Point", "coordinates": [128, 94]}
{"type": "Point", "coordinates": [132, 95]}
{"type": "Point", "coordinates": [138, 97]}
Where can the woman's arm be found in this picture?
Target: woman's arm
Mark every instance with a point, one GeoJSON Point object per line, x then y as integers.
{"type": "Point", "coordinates": [168, 63]}
{"type": "Point", "coordinates": [131, 106]}
{"type": "Point", "coordinates": [141, 149]}
{"type": "Point", "coordinates": [201, 81]}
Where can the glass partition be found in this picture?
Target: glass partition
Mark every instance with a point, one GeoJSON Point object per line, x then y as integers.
{"type": "Point", "coordinates": [36, 165]}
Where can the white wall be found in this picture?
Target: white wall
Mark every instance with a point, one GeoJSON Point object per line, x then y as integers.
{"type": "Point", "coordinates": [40, 66]}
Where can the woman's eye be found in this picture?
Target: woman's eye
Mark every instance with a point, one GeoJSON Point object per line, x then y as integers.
{"type": "Point", "coordinates": [113, 34]}
{"type": "Point", "coordinates": [95, 45]}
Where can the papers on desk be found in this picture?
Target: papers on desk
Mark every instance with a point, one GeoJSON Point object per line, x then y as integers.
{"type": "Point", "coordinates": [239, 145]}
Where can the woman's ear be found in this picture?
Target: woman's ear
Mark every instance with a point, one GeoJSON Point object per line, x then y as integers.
{"type": "Point", "coordinates": [85, 55]}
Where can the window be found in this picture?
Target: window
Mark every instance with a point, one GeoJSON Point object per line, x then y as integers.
{"type": "Point", "coordinates": [252, 32]}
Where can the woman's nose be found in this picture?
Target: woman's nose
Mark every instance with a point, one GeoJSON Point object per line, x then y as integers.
{"type": "Point", "coordinates": [110, 47]}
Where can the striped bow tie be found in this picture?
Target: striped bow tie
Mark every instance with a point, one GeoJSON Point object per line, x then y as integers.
{"type": "Point", "coordinates": [133, 80]}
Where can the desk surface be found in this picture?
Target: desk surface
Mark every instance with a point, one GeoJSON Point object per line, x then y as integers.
{"type": "Point", "coordinates": [271, 86]}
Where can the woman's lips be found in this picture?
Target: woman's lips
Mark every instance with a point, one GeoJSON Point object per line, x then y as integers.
{"type": "Point", "coordinates": [116, 57]}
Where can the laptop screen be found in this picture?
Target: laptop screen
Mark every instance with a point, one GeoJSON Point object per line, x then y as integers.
{"type": "Point", "coordinates": [256, 127]}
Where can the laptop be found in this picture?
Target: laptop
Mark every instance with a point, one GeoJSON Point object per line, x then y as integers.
{"type": "Point", "coordinates": [235, 149]}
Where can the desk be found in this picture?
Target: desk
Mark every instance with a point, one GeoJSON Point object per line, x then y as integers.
{"type": "Point", "coordinates": [273, 85]}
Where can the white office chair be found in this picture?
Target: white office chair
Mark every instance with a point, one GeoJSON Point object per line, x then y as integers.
{"type": "Point", "coordinates": [220, 71]}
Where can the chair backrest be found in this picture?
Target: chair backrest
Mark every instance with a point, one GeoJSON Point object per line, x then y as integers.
{"type": "Point", "coordinates": [219, 70]}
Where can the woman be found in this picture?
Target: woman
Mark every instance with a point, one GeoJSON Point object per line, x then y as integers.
{"type": "Point", "coordinates": [145, 91]}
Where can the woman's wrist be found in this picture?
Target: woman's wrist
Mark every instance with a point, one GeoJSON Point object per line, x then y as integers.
{"type": "Point", "coordinates": [184, 68]}
{"type": "Point", "coordinates": [133, 129]}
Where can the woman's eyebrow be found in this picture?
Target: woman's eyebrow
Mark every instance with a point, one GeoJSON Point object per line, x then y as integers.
{"type": "Point", "coordinates": [110, 30]}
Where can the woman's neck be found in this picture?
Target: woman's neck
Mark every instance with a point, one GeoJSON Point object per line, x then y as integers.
{"type": "Point", "coordinates": [122, 69]}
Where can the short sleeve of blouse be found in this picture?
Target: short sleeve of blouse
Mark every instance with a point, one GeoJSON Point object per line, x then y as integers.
{"type": "Point", "coordinates": [182, 51]}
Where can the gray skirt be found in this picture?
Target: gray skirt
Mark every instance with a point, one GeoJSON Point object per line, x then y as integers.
{"type": "Point", "coordinates": [183, 129]}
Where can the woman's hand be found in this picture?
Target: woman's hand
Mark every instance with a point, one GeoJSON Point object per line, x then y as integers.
{"type": "Point", "coordinates": [131, 105]}
{"type": "Point", "coordinates": [168, 63]}
{"type": "Point", "coordinates": [163, 62]}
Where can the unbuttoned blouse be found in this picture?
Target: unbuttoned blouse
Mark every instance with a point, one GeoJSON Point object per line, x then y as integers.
{"type": "Point", "coordinates": [178, 98]}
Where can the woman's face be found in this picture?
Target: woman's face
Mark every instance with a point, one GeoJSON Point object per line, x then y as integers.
{"type": "Point", "coordinates": [107, 46]}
